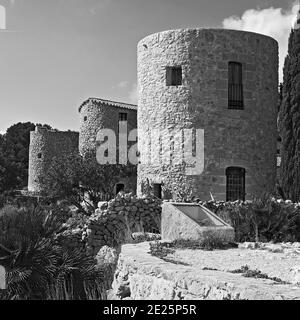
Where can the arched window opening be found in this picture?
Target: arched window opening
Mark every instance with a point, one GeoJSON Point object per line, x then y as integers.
{"type": "Point", "coordinates": [235, 184]}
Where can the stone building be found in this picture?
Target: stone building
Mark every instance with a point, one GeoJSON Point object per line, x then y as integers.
{"type": "Point", "coordinates": [46, 144]}
{"type": "Point", "coordinates": [97, 114]}
{"type": "Point", "coordinates": [224, 82]}
{"type": "Point", "coordinates": [217, 87]}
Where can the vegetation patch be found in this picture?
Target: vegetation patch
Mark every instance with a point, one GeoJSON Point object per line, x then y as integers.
{"type": "Point", "coordinates": [249, 273]}
{"type": "Point", "coordinates": [163, 249]}
{"type": "Point", "coordinates": [209, 243]}
{"type": "Point", "coordinates": [41, 267]}
{"type": "Point", "coordinates": [262, 219]}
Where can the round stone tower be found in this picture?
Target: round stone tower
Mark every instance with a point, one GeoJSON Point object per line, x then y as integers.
{"type": "Point", "coordinates": [218, 90]}
{"type": "Point", "coordinates": [46, 144]}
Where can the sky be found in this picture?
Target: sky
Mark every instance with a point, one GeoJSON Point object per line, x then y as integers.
{"type": "Point", "coordinates": [54, 54]}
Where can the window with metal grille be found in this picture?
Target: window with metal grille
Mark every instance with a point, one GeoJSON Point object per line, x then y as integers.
{"type": "Point", "coordinates": [122, 116]}
{"type": "Point", "coordinates": [174, 76]}
{"type": "Point", "coordinates": [157, 190]}
{"type": "Point", "coordinates": [235, 184]}
{"type": "Point", "coordinates": [235, 86]}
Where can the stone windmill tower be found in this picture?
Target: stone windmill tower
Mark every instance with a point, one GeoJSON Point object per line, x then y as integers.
{"type": "Point", "coordinates": [224, 82]}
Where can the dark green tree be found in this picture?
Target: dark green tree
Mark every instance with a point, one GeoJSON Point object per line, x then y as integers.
{"type": "Point", "coordinates": [14, 156]}
{"type": "Point", "coordinates": [8, 178]}
{"type": "Point", "coordinates": [289, 120]}
{"type": "Point", "coordinates": [16, 149]}
{"type": "Point", "coordinates": [82, 181]}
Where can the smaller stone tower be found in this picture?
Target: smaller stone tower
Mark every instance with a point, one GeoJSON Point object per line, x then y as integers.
{"type": "Point", "coordinates": [46, 144]}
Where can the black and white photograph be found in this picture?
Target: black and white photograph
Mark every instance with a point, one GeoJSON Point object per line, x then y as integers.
{"type": "Point", "coordinates": [149, 154]}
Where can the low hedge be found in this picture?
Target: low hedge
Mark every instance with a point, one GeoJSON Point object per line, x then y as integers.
{"type": "Point", "coordinates": [266, 219]}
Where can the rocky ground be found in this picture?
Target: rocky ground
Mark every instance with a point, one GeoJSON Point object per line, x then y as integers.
{"type": "Point", "coordinates": [274, 271]}
{"type": "Point", "coordinates": [276, 260]}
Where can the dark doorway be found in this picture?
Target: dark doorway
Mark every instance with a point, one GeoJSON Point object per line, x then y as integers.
{"type": "Point", "coordinates": [235, 184]}
{"type": "Point", "coordinates": [119, 187]}
{"type": "Point", "coordinates": [157, 190]}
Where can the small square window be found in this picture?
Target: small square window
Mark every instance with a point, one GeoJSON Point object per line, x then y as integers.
{"type": "Point", "coordinates": [174, 76]}
{"type": "Point", "coordinates": [85, 118]}
{"type": "Point", "coordinates": [39, 156]}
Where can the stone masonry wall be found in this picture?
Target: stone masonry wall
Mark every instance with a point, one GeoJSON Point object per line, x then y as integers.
{"type": "Point", "coordinates": [44, 145]}
{"type": "Point", "coordinates": [96, 114]}
{"type": "Point", "coordinates": [244, 138]}
{"type": "Point", "coordinates": [115, 221]}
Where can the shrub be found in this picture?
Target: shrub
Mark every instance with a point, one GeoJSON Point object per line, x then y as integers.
{"type": "Point", "coordinates": [160, 249]}
{"type": "Point", "coordinates": [210, 241]}
{"type": "Point", "coordinates": [82, 181]}
{"type": "Point", "coordinates": [265, 219]}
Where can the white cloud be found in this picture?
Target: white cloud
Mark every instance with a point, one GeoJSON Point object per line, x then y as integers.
{"type": "Point", "coordinates": [133, 94]}
{"type": "Point", "coordinates": [2, 18]}
{"type": "Point", "coordinates": [274, 22]}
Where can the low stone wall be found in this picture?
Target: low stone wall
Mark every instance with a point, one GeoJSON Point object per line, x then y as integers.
{"type": "Point", "coordinates": [115, 221]}
{"type": "Point", "coordinates": [125, 219]}
{"type": "Point", "coordinates": [140, 276]}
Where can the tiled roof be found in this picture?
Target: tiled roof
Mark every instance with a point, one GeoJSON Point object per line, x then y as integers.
{"type": "Point", "coordinates": [109, 103]}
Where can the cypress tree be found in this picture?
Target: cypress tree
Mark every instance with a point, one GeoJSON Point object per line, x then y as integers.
{"type": "Point", "coordinates": [289, 120]}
